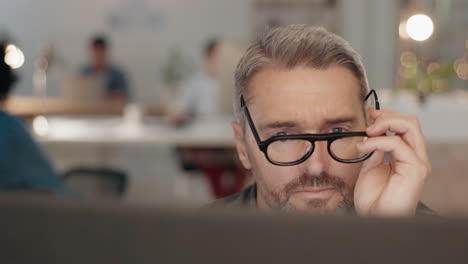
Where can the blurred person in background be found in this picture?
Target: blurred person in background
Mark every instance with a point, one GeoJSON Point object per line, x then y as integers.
{"type": "Point", "coordinates": [23, 165]}
{"type": "Point", "coordinates": [114, 78]}
{"type": "Point", "coordinates": [198, 96]}
{"type": "Point", "coordinates": [304, 132]}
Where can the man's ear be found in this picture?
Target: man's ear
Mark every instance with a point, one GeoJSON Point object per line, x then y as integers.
{"type": "Point", "coordinates": [240, 144]}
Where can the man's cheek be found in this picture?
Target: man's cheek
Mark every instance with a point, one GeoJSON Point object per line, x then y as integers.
{"type": "Point", "coordinates": [274, 176]}
{"type": "Point", "coordinates": [347, 172]}
{"type": "Point", "coordinates": [353, 175]}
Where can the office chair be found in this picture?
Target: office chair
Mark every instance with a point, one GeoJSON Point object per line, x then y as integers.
{"type": "Point", "coordinates": [101, 183]}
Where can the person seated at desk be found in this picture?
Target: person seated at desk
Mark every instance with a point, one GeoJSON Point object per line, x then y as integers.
{"type": "Point", "coordinates": [312, 134]}
{"type": "Point", "coordinates": [23, 166]}
{"type": "Point", "coordinates": [114, 78]}
{"type": "Point", "coordinates": [199, 95]}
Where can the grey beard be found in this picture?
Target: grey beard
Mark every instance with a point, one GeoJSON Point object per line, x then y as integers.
{"type": "Point", "coordinates": [344, 208]}
{"type": "Point", "coordinates": [278, 200]}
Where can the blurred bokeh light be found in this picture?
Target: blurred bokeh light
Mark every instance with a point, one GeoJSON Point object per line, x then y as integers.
{"type": "Point", "coordinates": [419, 27]}
{"type": "Point", "coordinates": [14, 57]}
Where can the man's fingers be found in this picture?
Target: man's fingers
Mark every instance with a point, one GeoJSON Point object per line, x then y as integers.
{"type": "Point", "coordinates": [394, 144]}
{"type": "Point", "coordinates": [406, 160]}
{"type": "Point", "coordinates": [407, 127]}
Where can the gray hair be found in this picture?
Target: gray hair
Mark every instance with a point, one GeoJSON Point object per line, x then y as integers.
{"type": "Point", "coordinates": [292, 46]}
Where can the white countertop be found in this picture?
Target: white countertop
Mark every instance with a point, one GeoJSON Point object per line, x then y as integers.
{"type": "Point", "coordinates": [113, 130]}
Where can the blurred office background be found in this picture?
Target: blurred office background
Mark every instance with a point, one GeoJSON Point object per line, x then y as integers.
{"type": "Point", "coordinates": [133, 151]}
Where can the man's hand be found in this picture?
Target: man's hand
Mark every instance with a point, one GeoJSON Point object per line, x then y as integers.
{"type": "Point", "coordinates": [392, 189]}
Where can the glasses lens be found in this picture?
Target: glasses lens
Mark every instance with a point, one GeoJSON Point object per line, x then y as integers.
{"type": "Point", "coordinates": [289, 150]}
{"type": "Point", "coordinates": [346, 148]}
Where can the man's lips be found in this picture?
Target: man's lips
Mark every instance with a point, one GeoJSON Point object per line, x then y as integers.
{"type": "Point", "coordinates": [315, 190]}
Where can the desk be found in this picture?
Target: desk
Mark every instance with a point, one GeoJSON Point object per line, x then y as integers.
{"type": "Point", "coordinates": [28, 107]}
{"type": "Point", "coordinates": [208, 143]}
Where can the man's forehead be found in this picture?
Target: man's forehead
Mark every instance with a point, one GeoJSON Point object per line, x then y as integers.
{"type": "Point", "coordinates": [304, 91]}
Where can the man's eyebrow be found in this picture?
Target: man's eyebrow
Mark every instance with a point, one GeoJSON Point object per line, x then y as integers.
{"type": "Point", "coordinates": [279, 124]}
{"type": "Point", "coordinates": [339, 120]}
{"type": "Point", "coordinates": [293, 124]}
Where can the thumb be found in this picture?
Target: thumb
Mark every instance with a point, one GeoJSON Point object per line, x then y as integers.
{"type": "Point", "coordinates": [370, 183]}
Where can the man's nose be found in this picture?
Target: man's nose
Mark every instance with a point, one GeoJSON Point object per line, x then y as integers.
{"type": "Point", "coordinates": [319, 161]}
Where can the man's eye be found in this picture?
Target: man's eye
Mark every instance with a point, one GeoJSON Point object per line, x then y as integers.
{"type": "Point", "coordinates": [281, 133]}
{"type": "Point", "coordinates": [337, 130]}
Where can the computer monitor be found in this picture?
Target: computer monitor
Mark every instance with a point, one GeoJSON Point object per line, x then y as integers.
{"type": "Point", "coordinates": [50, 231]}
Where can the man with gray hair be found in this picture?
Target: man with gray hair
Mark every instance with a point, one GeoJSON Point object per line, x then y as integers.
{"type": "Point", "coordinates": [312, 133]}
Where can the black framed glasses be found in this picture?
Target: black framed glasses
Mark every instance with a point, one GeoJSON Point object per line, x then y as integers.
{"type": "Point", "coordinates": [289, 150]}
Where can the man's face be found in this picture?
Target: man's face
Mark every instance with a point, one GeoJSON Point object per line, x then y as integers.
{"type": "Point", "coordinates": [212, 62]}
{"type": "Point", "coordinates": [99, 56]}
{"type": "Point", "coordinates": [299, 101]}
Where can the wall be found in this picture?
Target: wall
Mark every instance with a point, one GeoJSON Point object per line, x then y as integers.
{"type": "Point", "coordinates": [141, 30]}
{"type": "Point", "coordinates": [371, 27]}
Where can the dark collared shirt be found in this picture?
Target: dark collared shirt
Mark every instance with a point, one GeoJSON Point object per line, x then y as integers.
{"type": "Point", "coordinates": [115, 79]}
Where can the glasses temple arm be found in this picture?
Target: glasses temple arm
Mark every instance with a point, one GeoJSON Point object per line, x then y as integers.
{"type": "Point", "coordinates": [373, 92]}
{"type": "Point", "coordinates": [249, 120]}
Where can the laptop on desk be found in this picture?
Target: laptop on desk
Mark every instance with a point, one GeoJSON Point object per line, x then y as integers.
{"type": "Point", "coordinates": [50, 231]}
{"type": "Point", "coordinates": [82, 88]}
